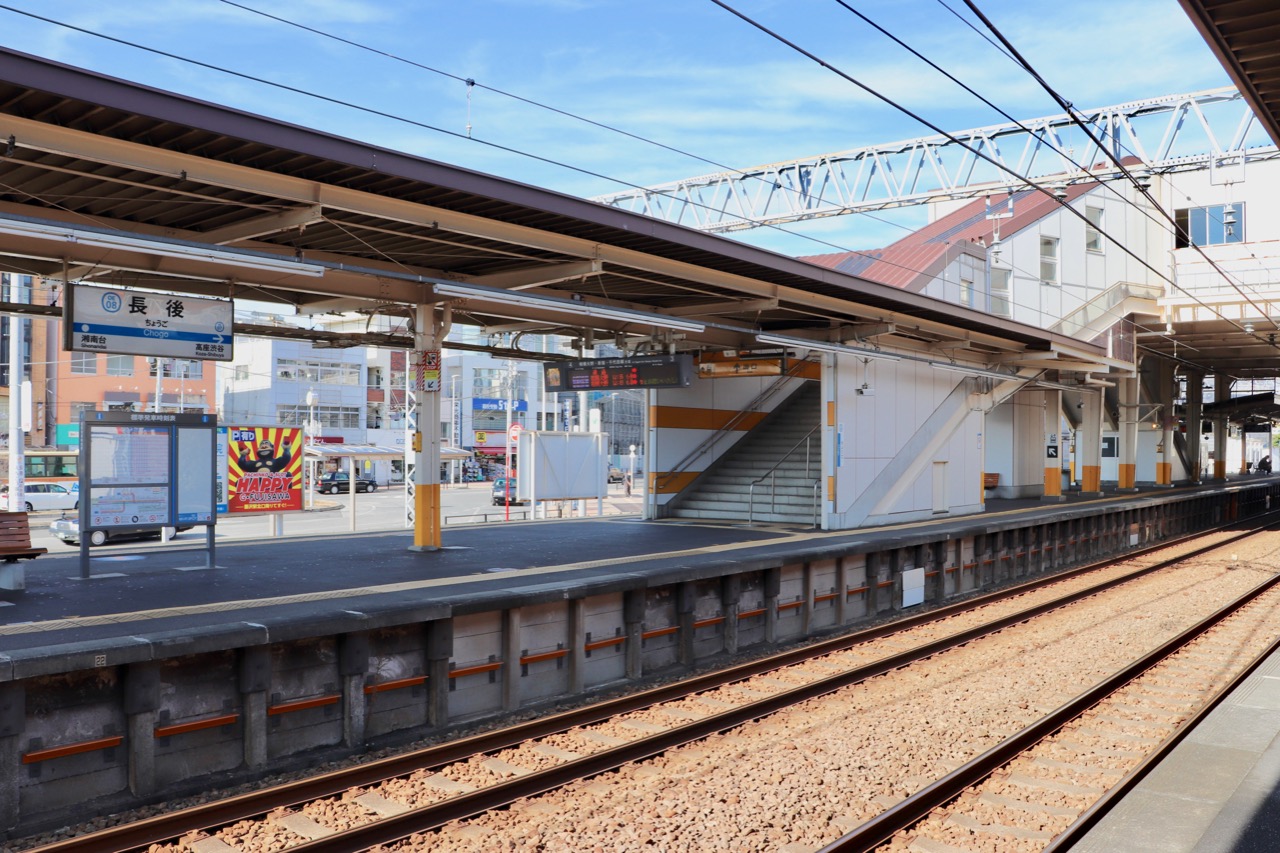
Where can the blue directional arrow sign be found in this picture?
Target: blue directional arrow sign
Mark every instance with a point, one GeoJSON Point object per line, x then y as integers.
{"type": "Point", "coordinates": [137, 322]}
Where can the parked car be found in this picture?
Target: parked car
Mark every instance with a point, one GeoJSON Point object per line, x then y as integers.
{"type": "Point", "coordinates": [615, 475]}
{"type": "Point", "coordinates": [333, 483]}
{"type": "Point", "coordinates": [42, 496]}
{"type": "Point", "coordinates": [502, 495]}
{"type": "Point", "coordinates": [67, 529]}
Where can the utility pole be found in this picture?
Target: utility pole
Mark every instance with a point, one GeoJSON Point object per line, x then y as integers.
{"type": "Point", "coordinates": [17, 486]}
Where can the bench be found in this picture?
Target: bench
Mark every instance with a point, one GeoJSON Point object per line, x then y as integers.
{"type": "Point", "coordinates": [990, 481]}
{"type": "Point", "coordinates": [15, 538]}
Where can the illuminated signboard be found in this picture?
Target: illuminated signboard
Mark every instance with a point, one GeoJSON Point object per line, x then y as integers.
{"type": "Point", "coordinates": [644, 371]}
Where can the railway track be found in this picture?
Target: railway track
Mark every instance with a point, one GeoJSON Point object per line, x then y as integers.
{"type": "Point", "coordinates": [476, 775]}
{"type": "Point", "coordinates": [1092, 748]}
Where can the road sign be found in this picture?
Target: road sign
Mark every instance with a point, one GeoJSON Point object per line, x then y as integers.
{"type": "Point", "coordinates": [513, 433]}
{"type": "Point", "coordinates": [135, 322]}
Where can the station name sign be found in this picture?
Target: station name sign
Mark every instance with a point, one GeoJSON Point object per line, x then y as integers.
{"type": "Point", "coordinates": [137, 322]}
{"type": "Point", "coordinates": [601, 374]}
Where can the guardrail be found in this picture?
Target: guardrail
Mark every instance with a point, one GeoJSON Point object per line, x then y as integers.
{"type": "Point", "coordinates": [524, 514]}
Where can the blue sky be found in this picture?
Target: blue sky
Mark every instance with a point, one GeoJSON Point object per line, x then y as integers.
{"type": "Point", "coordinates": [685, 73]}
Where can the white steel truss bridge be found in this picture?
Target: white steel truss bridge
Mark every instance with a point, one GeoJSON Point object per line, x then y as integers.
{"type": "Point", "coordinates": [1214, 129]}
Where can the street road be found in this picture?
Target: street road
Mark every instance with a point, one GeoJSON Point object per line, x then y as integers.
{"type": "Point", "coordinates": [384, 509]}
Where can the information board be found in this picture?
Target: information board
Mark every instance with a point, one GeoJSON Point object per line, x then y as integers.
{"type": "Point", "coordinates": [642, 371]}
{"type": "Point", "coordinates": [146, 469]}
{"type": "Point", "coordinates": [129, 472]}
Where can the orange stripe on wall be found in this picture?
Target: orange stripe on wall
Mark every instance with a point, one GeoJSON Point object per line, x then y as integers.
{"type": "Point", "coordinates": [1053, 482]}
{"type": "Point", "coordinates": [831, 413]}
{"type": "Point", "coordinates": [806, 370]}
{"type": "Point", "coordinates": [662, 483]}
{"type": "Point", "coordinates": [679, 417]}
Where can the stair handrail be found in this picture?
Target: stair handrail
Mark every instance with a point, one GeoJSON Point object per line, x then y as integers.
{"type": "Point", "coordinates": [1102, 305]}
{"type": "Point", "coordinates": [729, 425]}
{"type": "Point", "coordinates": [773, 473]}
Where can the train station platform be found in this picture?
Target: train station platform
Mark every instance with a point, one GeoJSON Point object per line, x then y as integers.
{"type": "Point", "coordinates": [293, 650]}
{"type": "Point", "coordinates": [492, 566]}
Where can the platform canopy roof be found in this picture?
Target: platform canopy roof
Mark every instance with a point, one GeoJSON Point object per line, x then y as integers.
{"type": "Point", "coordinates": [107, 181]}
{"type": "Point", "coordinates": [1245, 36]}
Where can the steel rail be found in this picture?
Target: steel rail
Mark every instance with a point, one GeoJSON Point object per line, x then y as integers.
{"type": "Point", "coordinates": [919, 805]}
{"type": "Point", "coordinates": [164, 827]}
{"type": "Point", "coordinates": [1095, 813]}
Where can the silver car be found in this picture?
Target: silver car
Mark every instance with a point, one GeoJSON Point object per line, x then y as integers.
{"type": "Point", "coordinates": [42, 496]}
{"type": "Point", "coordinates": [67, 529]}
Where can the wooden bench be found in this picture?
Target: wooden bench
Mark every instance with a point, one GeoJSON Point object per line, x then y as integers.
{"type": "Point", "coordinates": [990, 481]}
{"type": "Point", "coordinates": [15, 538]}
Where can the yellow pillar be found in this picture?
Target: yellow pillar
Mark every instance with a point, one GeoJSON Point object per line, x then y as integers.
{"type": "Point", "coordinates": [1053, 448]}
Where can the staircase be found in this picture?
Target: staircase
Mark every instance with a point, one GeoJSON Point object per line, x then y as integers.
{"type": "Point", "coordinates": [774, 451]}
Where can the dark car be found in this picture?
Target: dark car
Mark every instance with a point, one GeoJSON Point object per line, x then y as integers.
{"type": "Point", "coordinates": [334, 483]}
{"type": "Point", "coordinates": [505, 493]}
{"type": "Point", "coordinates": [67, 529]}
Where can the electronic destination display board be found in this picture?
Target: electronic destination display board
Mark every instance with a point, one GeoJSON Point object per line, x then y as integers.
{"type": "Point", "coordinates": [602, 374]}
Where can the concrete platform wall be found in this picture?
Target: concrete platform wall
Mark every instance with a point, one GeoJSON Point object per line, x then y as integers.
{"type": "Point", "coordinates": [98, 738]}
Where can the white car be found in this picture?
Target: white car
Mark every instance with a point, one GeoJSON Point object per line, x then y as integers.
{"type": "Point", "coordinates": [42, 496]}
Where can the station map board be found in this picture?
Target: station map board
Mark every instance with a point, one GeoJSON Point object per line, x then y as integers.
{"type": "Point", "coordinates": [142, 470]}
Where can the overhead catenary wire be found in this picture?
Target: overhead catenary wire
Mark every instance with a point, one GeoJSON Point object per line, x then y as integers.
{"type": "Point", "coordinates": [391, 116]}
{"type": "Point", "coordinates": [394, 117]}
{"type": "Point", "coordinates": [977, 152]}
{"type": "Point", "coordinates": [1071, 112]}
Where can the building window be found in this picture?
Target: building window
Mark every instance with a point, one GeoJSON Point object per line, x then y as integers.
{"type": "Point", "coordinates": [119, 365]}
{"type": "Point", "coordinates": [317, 372]}
{"type": "Point", "coordinates": [337, 417]}
{"type": "Point", "coordinates": [966, 293]}
{"type": "Point", "coordinates": [84, 362]}
{"type": "Point", "coordinates": [1093, 229]}
{"type": "Point", "coordinates": [1049, 260]}
{"type": "Point", "coordinates": [1001, 304]}
{"type": "Point", "coordinates": [492, 383]}
{"type": "Point", "coordinates": [1214, 225]}
{"type": "Point", "coordinates": [242, 372]}
{"type": "Point", "coordinates": [182, 368]}
{"type": "Point", "coordinates": [78, 409]}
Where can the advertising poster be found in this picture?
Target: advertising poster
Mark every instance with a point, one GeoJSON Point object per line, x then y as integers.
{"type": "Point", "coordinates": [264, 469]}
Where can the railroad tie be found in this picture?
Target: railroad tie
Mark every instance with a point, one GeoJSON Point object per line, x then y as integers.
{"type": "Point", "coordinates": [929, 845]}
{"type": "Point", "coordinates": [302, 825]}
{"type": "Point", "coordinates": [1054, 764]}
{"type": "Point", "coordinates": [556, 752]}
{"type": "Point", "coordinates": [444, 783]}
{"type": "Point", "coordinates": [600, 737]}
{"type": "Point", "coordinates": [503, 769]}
{"type": "Point", "coordinates": [975, 825]}
{"type": "Point", "coordinates": [1021, 805]}
{"type": "Point", "coordinates": [642, 726]}
{"type": "Point", "coordinates": [210, 844]}
{"type": "Point", "coordinates": [380, 805]}
{"type": "Point", "coordinates": [1053, 785]}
